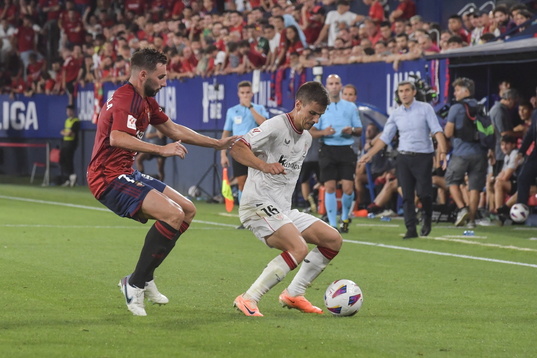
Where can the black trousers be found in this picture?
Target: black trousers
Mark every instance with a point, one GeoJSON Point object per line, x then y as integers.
{"type": "Point", "coordinates": [526, 178]}
{"type": "Point", "coordinates": [67, 159]}
{"type": "Point", "coordinates": [414, 173]}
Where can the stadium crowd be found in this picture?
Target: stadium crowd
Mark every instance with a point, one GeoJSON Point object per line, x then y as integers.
{"type": "Point", "coordinates": [55, 46]}
{"type": "Point", "coordinates": [51, 46]}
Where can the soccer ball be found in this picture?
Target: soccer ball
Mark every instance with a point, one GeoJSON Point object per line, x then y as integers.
{"type": "Point", "coordinates": [343, 298]}
{"type": "Point", "coordinates": [519, 213]}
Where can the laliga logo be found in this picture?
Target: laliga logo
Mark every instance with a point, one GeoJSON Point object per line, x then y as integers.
{"type": "Point", "coordinates": [213, 95]}
{"type": "Point", "coordinates": [19, 116]}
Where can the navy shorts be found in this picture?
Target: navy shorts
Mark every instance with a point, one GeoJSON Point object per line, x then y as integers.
{"type": "Point", "coordinates": [125, 194]}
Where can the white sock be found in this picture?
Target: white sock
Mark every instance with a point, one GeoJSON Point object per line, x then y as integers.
{"type": "Point", "coordinates": [312, 266]}
{"type": "Point", "coordinates": [275, 271]}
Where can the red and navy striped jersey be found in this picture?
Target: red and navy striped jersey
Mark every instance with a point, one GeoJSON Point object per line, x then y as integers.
{"type": "Point", "coordinates": [128, 112]}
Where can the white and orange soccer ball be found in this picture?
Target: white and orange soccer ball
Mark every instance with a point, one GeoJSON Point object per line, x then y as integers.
{"type": "Point", "coordinates": [343, 298]}
{"type": "Point", "coordinates": [519, 213]}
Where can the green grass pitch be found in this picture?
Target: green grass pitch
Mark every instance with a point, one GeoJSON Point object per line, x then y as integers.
{"type": "Point", "coordinates": [62, 255]}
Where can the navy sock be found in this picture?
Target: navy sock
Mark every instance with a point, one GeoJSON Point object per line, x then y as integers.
{"type": "Point", "coordinates": [159, 241]}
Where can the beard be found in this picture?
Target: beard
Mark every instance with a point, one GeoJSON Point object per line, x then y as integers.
{"type": "Point", "coordinates": [149, 91]}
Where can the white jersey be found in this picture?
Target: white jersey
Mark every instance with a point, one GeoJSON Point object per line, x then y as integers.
{"type": "Point", "coordinates": [276, 140]}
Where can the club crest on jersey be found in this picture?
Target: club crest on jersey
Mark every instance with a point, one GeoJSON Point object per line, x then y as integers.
{"type": "Point", "coordinates": [255, 131]}
{"type": "Point", "coordinates": [131, 122]}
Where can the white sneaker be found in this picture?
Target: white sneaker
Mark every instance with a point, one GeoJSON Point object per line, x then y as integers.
{"type": "Point", "coordinates": [134, 297]}
{"type": "Point", "coordinates": [152, 294]}
{"type": "Point", "coordinates": [387, 212]}
{"type": "Point", "coordinates": [72, 180]}
{"type": "Point", "coordinates": [471, 225]}
{"type": "Point", "coordinates": [462, 217]}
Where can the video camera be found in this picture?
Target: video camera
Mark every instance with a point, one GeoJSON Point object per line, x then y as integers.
{"type": "Point", "coordinates": [424, 91]}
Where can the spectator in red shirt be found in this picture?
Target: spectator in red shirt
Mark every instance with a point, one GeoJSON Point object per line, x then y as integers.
{"type": "Point", "coordinates": [236, 22]}
{"type": "Point", "coordinates": [256, 59]}
{"type": "Point", "coordinates": [405, 10]}
{"type": "Point", "coordinates": [312, 21]}
{"type": "Point", "coordinates": [136, 6]}
{"type": "Point", "coordinates": [18, 85]}
{"type": "Point", "coordinates": [372, 30]}
{"type": "Point", "coordinates": [73, 28]}
{"type": "Point", "coordinates": [26, 41]}
{"type": "Point", "coordinates": [189, 62]}
{"type": "Point", "coordinates": [71, 70]}
{"type": "Point", "coordinates": [9, 12]}
{"type": "Point", "coordinates": [292, 44]}
{"type": "Point", "coordinates": [456, 28]}
{"type": "Point", "coordinates": [376, 11]}
{"type": "Point", "coordinates": [34, 69]}
{"type": "Point", "coordinates": [426, 44]}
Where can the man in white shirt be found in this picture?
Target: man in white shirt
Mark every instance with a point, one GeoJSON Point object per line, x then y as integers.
{"type": "Point", "coordinates": [335, 20]}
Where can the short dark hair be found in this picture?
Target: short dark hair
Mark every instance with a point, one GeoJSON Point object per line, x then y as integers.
{"type": "Point", "coordinates": [466, 83]}
{"type": "Point", "coordinates": [244, 84]}
{"type": "Point", "coordinates": [509, 139]}
{"type": "Point", "coordinates": [147, 59]}
{"type": "Point", "coordinates": [313, 91]}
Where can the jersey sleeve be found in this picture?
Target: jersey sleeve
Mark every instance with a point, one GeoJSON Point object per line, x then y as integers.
{"type": "Point", "coordinates": [122, 119]}
{"type": "Point", "coordinates": [260, 138]}
{"type": "Point", "coordinates": [157, 114]}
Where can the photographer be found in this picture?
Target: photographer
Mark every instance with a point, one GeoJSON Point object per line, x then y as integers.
{"type": "Point", "coordinates": [468, 158]}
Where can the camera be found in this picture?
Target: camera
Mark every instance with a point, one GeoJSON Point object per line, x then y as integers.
{"type": "Point", "coordinates": [424, 92]}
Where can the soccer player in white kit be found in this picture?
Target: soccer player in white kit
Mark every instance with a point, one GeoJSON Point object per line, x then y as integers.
{"type": "Point", "coordinates": [274, 153]}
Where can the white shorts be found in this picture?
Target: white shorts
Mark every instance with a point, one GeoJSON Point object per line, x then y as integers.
{"type": "Point", "coordinates": [263, 221]}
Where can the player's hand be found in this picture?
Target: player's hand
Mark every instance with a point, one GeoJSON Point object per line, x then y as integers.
{"type": "Point", "coordinates": [226, 143]}
{"type": "Point", "coordinates": [174, 149]}
{"type": "Point", "coordinates": [273, 168]}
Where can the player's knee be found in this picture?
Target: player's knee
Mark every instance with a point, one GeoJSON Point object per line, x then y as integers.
{"type": "Point", "coordinates": [333, 240]}
{"type": "Point", "coordinates": [299, 252]}
{"type": "Point", "coordinates": [190, 211]}
{"type": "Point", "coordinates": [176, 218]}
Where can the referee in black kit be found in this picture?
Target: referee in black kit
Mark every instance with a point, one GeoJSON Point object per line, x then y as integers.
{"type": "Point", "coordinates": [415, 121]}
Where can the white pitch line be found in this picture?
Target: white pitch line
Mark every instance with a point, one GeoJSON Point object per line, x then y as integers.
{"type": "Point", "coordinates": [440, 253]}
{"type": "Point", "coordinates": [54, 203]}
{"type": "Point", "coordinates": [510, 247]}
{"type": "Point", "coordinates": [349, 241]}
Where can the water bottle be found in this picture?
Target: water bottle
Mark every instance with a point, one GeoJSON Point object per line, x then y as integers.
{"type": "Point", "coordinates": [370, 216]}
{"type": "Point", "coordinates": [468, 233]}
{"type": "Point", "coordinates": [385, 218]}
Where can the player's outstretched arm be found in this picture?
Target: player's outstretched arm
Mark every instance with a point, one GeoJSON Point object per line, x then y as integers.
{"type": "Point", "coordinates": [126, 141]}
{"type": "Point", "coordinates": [242, 153]}
{"type": "Point", "coordinates": [186, 135]}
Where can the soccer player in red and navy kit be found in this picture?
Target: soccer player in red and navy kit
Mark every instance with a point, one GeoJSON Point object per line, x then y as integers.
{"type": "Point", "coordinates": [129, 193]}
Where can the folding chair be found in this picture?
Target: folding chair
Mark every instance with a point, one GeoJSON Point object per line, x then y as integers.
{"type": "Point", "coordinates": [54, 159]}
